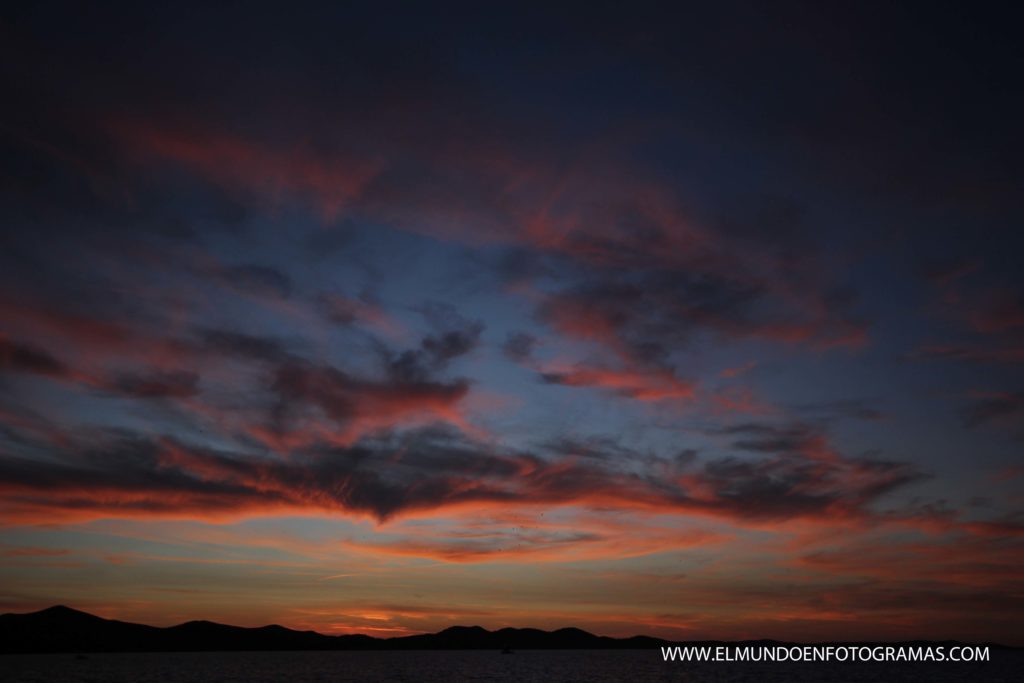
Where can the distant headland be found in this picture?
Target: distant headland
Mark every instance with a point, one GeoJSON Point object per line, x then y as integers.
{"type": "Point", "coordinates": [63, 629]}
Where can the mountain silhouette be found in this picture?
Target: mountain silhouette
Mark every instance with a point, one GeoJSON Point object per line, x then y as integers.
{"type": "Point", "coordinates": [63, 629]}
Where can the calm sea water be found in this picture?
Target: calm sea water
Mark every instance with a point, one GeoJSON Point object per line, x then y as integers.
{"type": "Point", "coordinates": [563, 666]}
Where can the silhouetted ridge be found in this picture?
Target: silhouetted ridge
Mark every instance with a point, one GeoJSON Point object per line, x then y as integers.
{"type": "Point", "coordinates": [63, 629]}
{"type": "Point", "coordinates": [63, 612]}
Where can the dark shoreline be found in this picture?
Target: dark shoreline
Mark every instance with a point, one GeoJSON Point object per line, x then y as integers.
{"type": "Point", "coordinates": [61, 629]}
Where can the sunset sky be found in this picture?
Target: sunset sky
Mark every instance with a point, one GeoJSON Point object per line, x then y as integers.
{"type": "Point", "coordinates": [700, 323]}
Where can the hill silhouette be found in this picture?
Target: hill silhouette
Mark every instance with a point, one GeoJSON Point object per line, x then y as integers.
{"type": "Point", "coordinates": [63, 629]}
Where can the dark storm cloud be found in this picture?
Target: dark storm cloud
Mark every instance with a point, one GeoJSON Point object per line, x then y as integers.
{"type": "Point", "coordinates": [343, 397]}
{"type": "Point", "coordinates": [770, 438]}
{"type": "Point", "coordinates": [172, 384]}
{"type": "Point", "coordinates": [657, 384]}
{"type": "Point", "coordinates": [157, 384]}
{"type": "Point", "coordinates": [454, 336]}
{"type": "Point", "coordinates": [393, 473]}
{"type": "Point", "coordinates": [772, 487]}
{"type": "Point", "coordinates": [852, 408]}
{"type": "Point", "coordinates": [19, 357]}
{"type": "Point", "coordinates": [295, 401]}
{"type": "Point", "coordinates": [647, 302]}
{"type": "Point", "coordinates": [784, 487]}
{"type": "Point", "coordinates": [131, 474]}
{"type": "Point", "coordinates": [287, 400]}
{"type": "Point", "coordinates": [649, 314]}
{"type": "Point", "coordinates": [519, 346]}
{"type": "Point", "coordinates": [249, 347]}
{"type": "Point", "coordinates": [124, 468]}
{"type": "Point", "coordinates": [447, 346]}
{"type": "Point", "coordinates": [343, 310]}
{"type": "Point", "coordinates": [600, 448]}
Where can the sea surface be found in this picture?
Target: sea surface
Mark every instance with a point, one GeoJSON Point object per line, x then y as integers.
{"type": "Point", "coordinates": [560, 666]}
